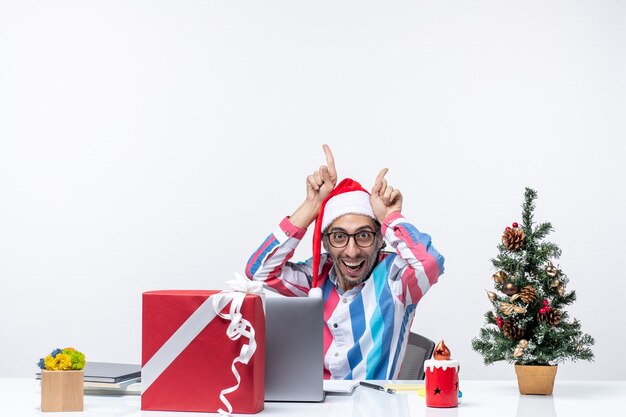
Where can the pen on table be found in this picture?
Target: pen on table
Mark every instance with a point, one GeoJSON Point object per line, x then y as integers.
{"type": "Point", "coordinates": [377, 387]}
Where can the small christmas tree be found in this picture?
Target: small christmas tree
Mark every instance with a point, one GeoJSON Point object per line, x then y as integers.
{"type": "Point", "coordinates": [528, 324]}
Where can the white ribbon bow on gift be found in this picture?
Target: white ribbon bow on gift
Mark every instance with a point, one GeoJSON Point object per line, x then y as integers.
{"type": "Point", "coordinates": [238, 327]}
{"type": "Point", "coordinates": [243, 284]}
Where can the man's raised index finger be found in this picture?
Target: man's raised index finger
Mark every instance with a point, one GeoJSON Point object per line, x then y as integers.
{"type": "Point", "coordinates": [330, 161]}
{"type": "Point", "coordinates": [382, 174]}
{"type": "Point", "coordinates": [378, 183]}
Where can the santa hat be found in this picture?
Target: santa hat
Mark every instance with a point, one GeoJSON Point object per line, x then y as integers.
{"type": "Point", "coordinates": [348, 197]}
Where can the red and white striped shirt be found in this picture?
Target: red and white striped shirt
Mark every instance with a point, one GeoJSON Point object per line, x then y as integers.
{"type": "Point", "coordinates": [366, 328]}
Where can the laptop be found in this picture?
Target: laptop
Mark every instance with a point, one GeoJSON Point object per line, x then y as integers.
{"type": "Point", "coordinates": [294, 349]}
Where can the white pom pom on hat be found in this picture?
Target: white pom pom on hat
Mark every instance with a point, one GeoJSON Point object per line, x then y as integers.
{"type": "Point", "coordinates": [315, 292]}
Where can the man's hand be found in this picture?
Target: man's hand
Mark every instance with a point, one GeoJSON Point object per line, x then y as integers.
{"type": "Point", "coordinates": [318, 185]}
{"type": "Point", "coordinates": [384, 198]}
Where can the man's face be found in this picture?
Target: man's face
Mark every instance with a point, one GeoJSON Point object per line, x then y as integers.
{"type": "Point", "coordinates": [353, 263]}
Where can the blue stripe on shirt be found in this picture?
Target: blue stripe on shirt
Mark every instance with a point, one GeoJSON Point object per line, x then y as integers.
{"type": "Point", "coordinates": [357, 319]}
{"type": "Point", "coordinates": [261, 256]}
{"type": "Point", "coordinates": [327, 288]}
{"type": "Point", "coordinates": [386, 303]}
{"type": "Point", "coordinates": [403, 332]}
{"type": "Point", "coordinates": [381, 324]}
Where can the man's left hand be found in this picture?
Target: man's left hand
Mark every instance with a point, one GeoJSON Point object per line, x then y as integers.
{"type": "Point", "coordinates": [384, 198]}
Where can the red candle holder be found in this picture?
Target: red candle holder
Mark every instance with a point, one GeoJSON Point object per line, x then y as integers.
{"type": "Point", "coordinates": [442, 383]}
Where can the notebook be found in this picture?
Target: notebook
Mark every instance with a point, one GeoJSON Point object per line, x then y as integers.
{"type": "Point", "coordinates": [294, 349]}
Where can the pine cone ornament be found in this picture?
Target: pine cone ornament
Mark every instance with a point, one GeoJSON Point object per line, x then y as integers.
{"type": "Point", "coordinates": [528, 294]}
{"type": "Point", "coordinates": [552, 317]}
{"type": "Point", "coordinates": [513, 238]}
{"type": "Point", "coordinates": [510, 330]}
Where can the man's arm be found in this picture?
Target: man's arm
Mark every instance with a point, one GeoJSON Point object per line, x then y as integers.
{"type": "Point", "coordinates": [418, 263]}
{"type": "Point", "coordinates": [270, 262]}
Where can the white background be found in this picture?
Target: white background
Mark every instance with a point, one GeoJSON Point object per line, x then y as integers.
{"type": "Point", "coordinates": [154, 144]}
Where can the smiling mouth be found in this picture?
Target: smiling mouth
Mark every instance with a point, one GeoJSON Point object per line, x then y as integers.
{"type": "Point", "coordinates": [353, 266]}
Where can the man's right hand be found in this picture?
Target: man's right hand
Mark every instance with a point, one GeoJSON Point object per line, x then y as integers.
{"type": "Point", "coordinates": [318, 185]}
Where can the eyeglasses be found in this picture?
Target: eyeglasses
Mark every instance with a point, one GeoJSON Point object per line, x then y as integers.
{"type": "Point", "coordinates": [363, 239]}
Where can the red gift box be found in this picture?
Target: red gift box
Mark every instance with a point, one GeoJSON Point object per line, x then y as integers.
{"type": "Point", "coordinates": [187, 355]}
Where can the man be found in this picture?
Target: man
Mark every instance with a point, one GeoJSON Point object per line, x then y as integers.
{"type": "Point", "coordinates": [369, 295]}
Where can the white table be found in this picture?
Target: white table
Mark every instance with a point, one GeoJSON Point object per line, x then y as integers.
{"type": "Point", "coordinates": [21, 397]}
